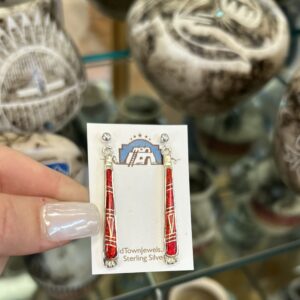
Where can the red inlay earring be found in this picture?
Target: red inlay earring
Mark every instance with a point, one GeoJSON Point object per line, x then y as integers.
{"type": "Point", "coordinates": [110, 235]}
{"type": "Point", "coordinates": [170, 234]}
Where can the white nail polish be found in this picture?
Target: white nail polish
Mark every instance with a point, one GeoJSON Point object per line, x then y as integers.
{"type": "Point", "coordinates": [63, 221]}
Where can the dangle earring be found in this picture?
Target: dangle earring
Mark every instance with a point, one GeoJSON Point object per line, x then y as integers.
{"type": "Point", "coordinates": [170, 233]}
{"type": "Point", "coordinates": [110, 236]}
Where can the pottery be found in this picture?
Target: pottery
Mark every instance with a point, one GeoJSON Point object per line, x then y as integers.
{"type": "Point", "coordinates": [240, 231]}
{"type": "Point", "coordinates": [139, 109]}
{"type": "Point", "coordinates": [203, 57]}
{"type": "Point", "coordinates": [199, 289]}
{"type": "Point", "coordinates": [114, 8]}
{"type": "Point", "coordinates": [53, 151]}
{"type": "Point", "coordinates": [15, 275]}
{"type": "Point", "coordinates": [98, 107]}
{"type": "Point", "coordinates": [273, 207]}
{"type": "Point", "coordinates": [62, 273]}
{"type": "Point", "coordinates": [41, 75]}
{"type": "Point", "coordinates": [287, 136]}
{"type": "Point", "coordinates": [203, 215]}
{"type": "Point", "coordinates": [293, 290]}
{"type": "Point", "coordinates": [225, 138]}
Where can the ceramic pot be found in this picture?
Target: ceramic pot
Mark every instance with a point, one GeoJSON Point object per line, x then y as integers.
{"type": "Point", "coordinates": [98, 107]}
{"type": "Point", "coordinates": [139, 109]}
{"type": "Point", "coordinates": [203, 215]}
{"type": "Point", "coordinates": [199, 289]}
{"type": "Point", "coordinates": [225, 138]}
{"type": "Point", "coordinates": [41, 75]}
{"type": "Point", "coordinates": [287, 136]}
{"type": "Point", "coordinates": [62, 273]}
{"type": "Point", "coordinates": [204, 57]}
{"type": "Point", "coordinates": [273, 207]}
{"type": "Point", "coordinates": [293, 290]}
{"type": "Point", "coordinates": [15, 275]}
{"type": "Point", "coordinates": [54, 151]}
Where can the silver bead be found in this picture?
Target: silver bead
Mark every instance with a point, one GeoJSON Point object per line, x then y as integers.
{"type": "Point", "coordinates": [106, 137]}
{"type": "Point", "coordinates": [164, 138]}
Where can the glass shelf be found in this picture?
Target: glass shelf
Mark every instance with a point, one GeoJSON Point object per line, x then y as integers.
{"type": "Point", "coordinates": [210, 271]}
{"type": "Point", "coordinates": [221, 254]}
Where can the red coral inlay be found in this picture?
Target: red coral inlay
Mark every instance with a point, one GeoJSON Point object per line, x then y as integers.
{"type": "Point", "coordinates": [170, 221]}
{"type": "Point", "coordinates": [110, 240]}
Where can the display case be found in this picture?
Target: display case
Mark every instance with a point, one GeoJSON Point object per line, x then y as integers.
{"type": "Point", "coordinates": [243, 215]}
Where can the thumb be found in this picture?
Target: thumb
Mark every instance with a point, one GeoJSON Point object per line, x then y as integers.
{"type": "Point", "coordinates": [33, 224]}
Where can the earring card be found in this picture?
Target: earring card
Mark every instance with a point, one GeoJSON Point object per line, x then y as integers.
{"type": "Point", "coordinates": [139, 195]}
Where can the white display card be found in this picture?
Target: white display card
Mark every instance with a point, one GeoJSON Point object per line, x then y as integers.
{"type": "Point", "coordinates": [139, 196]}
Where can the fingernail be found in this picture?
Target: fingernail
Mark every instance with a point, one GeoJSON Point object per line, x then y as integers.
{"type": "Point", "coordinates": [66, 221]}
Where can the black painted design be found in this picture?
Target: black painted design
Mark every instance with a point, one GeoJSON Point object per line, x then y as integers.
{"type": "Point", "coordinates": [204, 56]}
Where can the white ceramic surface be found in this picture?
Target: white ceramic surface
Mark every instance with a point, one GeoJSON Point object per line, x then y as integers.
{"type": "Point", "coordinates": [52, 150]}
{"type": "Point", "coordinates": [205, 56]}
{"type": "Point", "coordinates": [41, 76]}
{"type": "Point", "coordinates": [199, 289]}
{"type": "Point", "coordinates": [287, 136]}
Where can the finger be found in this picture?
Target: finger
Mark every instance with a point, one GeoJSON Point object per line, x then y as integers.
{"type": "Point", "coordinates": [20, 175]}
{"type": "Point", "coordinates": [34, 224]}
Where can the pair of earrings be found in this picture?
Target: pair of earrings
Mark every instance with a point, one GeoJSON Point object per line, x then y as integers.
{"type": "Point", "coordinates": [110, 232]}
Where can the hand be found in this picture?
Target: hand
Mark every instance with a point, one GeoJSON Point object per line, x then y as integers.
{"type": "Point", "coordinates": [40, 209]}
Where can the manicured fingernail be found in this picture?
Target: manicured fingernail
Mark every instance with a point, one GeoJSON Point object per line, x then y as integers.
{"type": "Point", "coordinates": [64, 221]}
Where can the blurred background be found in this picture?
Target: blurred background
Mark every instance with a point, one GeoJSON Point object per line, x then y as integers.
{"type": "Point", "coordinates": [244, 159]}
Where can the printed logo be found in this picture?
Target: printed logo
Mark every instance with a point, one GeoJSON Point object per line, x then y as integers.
{"type": "Point", "coordinates": [61, 167]}
{"type": "Point", "coordinates": [140, 151]}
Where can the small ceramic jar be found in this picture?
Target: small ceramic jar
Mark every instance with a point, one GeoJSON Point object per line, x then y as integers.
{"type": "Point", "coordinates": [203, 215]}
{"type": "Point", "coordinates": [139, 109]}
{"type": "Point", "coordinates": [203, 288]}
{"type": "Point", "coordinates": [63, 273]}
{"type": "Point", "coordinates": [225, 138]}
{"type": "Point", "coordinates": [41, 75]}
{"type": "Point", "coordinates": [114, 8]}
{"type": "Point", "coordinates": [98, 107]}
{"type": "Point", "coordinates": [203, 57]}
{"type": "Point", "coordinates": [273, 207]}
{"type": "Point", "coordinates": [293, 290]}
{"type": "Point", "coordinates": [287, 136]}
{"type": "Point", "coordinates": [54, 151]}
{"type": "Point", "coordinates": [240, 232]}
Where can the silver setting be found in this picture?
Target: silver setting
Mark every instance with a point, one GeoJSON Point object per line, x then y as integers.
{"type": "Point", "coordinates": [107, 151]}
{"type": "Point", "coordinates": [170, 260]}
{"type": "Point", "coordinates": [164, 138]}
{"type": "Point", "coordinates": [110, 263]}
{"type": "Point", "coordinates": [108, 164]}
{"type": "Point", "coordinates": [106, 137]}
{"type": "Point", "coordinates": [167, 162]}
{"type": "Point", "coordinates": [166, 151]}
